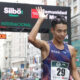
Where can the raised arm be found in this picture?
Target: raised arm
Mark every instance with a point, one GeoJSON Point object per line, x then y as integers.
{"type": "Point", "coordinates": [35, 29]}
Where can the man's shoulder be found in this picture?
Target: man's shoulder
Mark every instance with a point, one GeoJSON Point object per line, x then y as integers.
{"type": "Point", "coordinates": [72, 50]}
{"type": "Point", "coordinates": [71, 47]}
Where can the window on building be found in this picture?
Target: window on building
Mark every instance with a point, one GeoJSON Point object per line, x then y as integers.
{"type": "Point", "coordinates": [69, 2]}
{"type": "Point", "coordinates": [75, 10]}
{"type": "Point", "coordinates": [76, 30]}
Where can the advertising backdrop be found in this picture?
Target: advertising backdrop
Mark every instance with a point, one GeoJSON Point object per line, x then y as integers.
{"type": "Point", "coordinates": [18, 17]}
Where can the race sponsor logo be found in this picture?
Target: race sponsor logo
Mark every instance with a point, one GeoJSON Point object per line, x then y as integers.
{"type": "Point", "coordinates": [34, 14]}
{"type": "Point", "coordinates": [12, 11]}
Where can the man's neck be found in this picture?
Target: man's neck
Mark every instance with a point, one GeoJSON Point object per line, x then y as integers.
{"type": "Point", "coordinates": [59, 45]}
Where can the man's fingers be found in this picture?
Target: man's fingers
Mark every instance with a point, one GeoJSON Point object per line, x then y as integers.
{"type": "Point", "coordinates": [41, 12]}
{"type": "Point", "coordinates": [39, 9]}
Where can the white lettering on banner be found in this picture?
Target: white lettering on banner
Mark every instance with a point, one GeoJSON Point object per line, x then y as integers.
{"type": "Point", "coordinates": [34, 13]}
{"type": "Point", "coordinates": [56, 12]}
{"type": "Point", "coordinates": [8, 10]}
{"type": "Point", "coordinates": [51, 14]}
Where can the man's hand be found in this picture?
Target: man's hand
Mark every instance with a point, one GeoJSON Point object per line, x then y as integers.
{"type": "Point", "coordinates": [41, 13]}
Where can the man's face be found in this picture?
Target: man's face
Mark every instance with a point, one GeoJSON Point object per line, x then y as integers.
{"type": "Point", "coordinates": [60, 32]}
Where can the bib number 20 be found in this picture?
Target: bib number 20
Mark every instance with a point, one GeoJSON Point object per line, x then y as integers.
{"type": "Point", "coordinates": [60, 72]}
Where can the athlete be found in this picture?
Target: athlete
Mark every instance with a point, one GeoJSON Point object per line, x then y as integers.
{"type": "Point", "coordinates": [58, 58]}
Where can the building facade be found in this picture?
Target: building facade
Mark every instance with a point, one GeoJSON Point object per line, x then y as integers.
{"type": "Point", "coordinates": [75, 28]}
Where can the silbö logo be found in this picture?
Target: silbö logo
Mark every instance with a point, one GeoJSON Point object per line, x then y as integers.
{"type": "Point", "coordinates": [13, 12]}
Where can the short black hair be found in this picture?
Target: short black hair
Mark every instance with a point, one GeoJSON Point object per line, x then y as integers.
{"type": "Point", "coordinates": [59, 19]}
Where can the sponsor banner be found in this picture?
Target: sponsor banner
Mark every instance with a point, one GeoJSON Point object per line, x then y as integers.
{"type": "Point", "coordinates": [22, 17]}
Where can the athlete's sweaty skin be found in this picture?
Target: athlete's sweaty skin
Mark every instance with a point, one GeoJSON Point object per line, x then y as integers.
{"type": "Point", "coordinates": [59, 32]}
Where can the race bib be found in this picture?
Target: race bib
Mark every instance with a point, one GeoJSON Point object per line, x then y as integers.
{"type": "Point", "coordinates": [59, 70]}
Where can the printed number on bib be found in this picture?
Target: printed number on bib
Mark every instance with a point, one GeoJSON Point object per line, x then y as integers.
{"type": "Point", "coordinates": [61, 72]}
